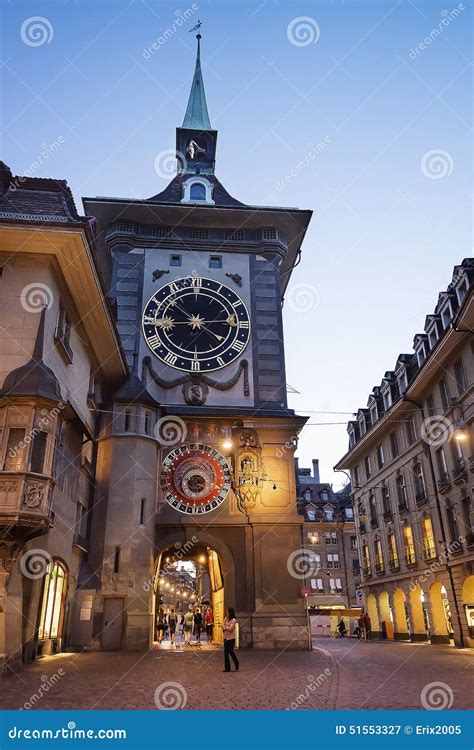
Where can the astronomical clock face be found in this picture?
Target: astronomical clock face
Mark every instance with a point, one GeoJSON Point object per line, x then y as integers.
{"type": "Point", "coordinates": [196, 324]}
{"type": "Point", "coordinates": [195, 478]}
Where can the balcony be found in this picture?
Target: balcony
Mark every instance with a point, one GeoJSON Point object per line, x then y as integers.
{"type": "Point", "coordinates": [374, 523]}
{"type": "Point", "coordinates": [379, 568]}
{"type": "Point", "coordinates": [367, 571]}
{"type": "Point", "coordinates": [394, 562]}
{"type": "Point", "coordinates": [460, 471]}
{"type": "Point", "coordinates": [388, 515]}
{"type": "Point", "coordinates": [362, 528]}
{"type": "Point", "coordinates": [403, 506]}
{"type": "Point", "coordinates": [429, 550]}
{"type": "Point", "coordinates": [80, 542]}
{"type": "Point", "coordinates": [444, 482]}
{"type": "Point", "coordinates": [470, 539]}
{"type": "Point", "coordinates": [410, 558]}
{"type": "Point", "coordinates": [25, 503]}
{"type": "Point", "coordinates": [421, 498]}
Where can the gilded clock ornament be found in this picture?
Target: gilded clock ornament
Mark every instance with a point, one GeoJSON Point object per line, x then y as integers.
{"type": "Point", "coordinates": [195, 478]}
{"type": "Point", "coordinates": [196, 324]}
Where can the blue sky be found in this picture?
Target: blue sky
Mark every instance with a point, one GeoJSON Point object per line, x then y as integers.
{"type": "Point", "coordinates": [389, 182]}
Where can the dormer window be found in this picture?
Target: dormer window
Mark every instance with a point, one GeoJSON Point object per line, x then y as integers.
{"type": "Point", "coordinates": [387, 399]}
{"type": "Point", "coordinates": [446, 316]}
{"type": "Point", "coordinates": [461, 290]}
{"type": "Point", "coordinates": [421, 355]}
{"type": "Point", "coordinates": [362, 426]}
{"type": "Point", "coordinates": [197, 190]}
{"type": "Point", "coordinates": [402, 383]}
{"type": "Point", "coordinates": [373, 414]}
{"type": "Point", "coordinates": [433, 337]}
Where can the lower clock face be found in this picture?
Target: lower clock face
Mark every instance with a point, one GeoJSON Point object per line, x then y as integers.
{"type": "Point", "coordinates": [195, 478]}
{"type": "Point", "coordinates": [196, 324]}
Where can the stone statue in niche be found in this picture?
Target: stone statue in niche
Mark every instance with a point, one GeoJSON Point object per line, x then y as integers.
{"type": "Point", "coordinates": [193, 149]}
{"type": "Point", "coordinates": [196, 431]}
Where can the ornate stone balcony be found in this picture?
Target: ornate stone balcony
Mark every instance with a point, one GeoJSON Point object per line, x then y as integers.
{"type": "Point", "coordinates": [25, 503]}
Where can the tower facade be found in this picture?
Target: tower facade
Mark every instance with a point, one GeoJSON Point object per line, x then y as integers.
{"type": "Point", "coordinates": [196, 452]}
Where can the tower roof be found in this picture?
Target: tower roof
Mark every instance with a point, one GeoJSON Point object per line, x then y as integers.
{"type": "Point", "coordinates": [34, 378]}
{"type": "Point", "coordinates": [197, 116]}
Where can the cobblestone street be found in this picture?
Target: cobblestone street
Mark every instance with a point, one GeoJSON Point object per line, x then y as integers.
{"type": "Point", "coordinates": [338, 674]}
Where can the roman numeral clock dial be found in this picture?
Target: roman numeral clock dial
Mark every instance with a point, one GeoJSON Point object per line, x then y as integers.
{"type": "Point", "coordinates": [196, 324]}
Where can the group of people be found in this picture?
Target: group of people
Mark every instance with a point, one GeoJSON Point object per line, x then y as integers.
{"type": "Point", "coordinates": [189, 623]}
{"type": "Point", "coordinates": [363, 629]}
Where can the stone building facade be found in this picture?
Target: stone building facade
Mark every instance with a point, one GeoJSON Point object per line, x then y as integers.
{"type": "Point", "coordinates": [143, 407]}
{"type": "Point", "coordinates": [411, 462]}
{"type": "Point", "coordinates": [330, 542]}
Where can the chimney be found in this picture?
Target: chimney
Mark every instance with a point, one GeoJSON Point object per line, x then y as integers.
{"type": "Point", "coordinates": [316, 470]}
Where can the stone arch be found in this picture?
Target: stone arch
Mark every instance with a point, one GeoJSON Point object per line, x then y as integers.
{"type": "Point", "coordinates": [373, 614]}
{"type": "Point", "coordinates": [418, 632]}
{"type": "Point", "coordinates": [441, 630]}
{"type": "Point", "coordinates": [400, 615]}
{"type": "Point", "coordinates": [386, 617]}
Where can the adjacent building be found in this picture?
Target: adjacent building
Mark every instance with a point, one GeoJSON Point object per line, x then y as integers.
{"type": "Point", "coordinates": [330, 540]}
{"type": "Point", "coordinates": [411, 463]}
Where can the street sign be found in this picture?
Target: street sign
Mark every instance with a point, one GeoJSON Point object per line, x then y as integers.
{"type": "Point", "coordinates": [359, 594]}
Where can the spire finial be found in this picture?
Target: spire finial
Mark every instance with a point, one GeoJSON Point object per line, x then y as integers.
{"type": "Point", "coordinates": [197, 116]}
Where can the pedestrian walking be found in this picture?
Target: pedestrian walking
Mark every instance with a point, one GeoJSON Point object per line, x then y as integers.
{"type": "Point", "coordinates": [209, 620]}
{"type": "Point", "coordinates": [172, 622]}
{"type": "Point", "coordinates": [160, 624]}
{"type": "Point", "coordinates": [188, 626]}
{"type": "Point", "coordinates": [368, 627]}
{"type": "Point", "coordinates": [228, 627]}
{"type": "Point", "coordinates": [361, 623]}
{"type": "Point", "coordinates": [342, 629]}
{"type": "Point", "coordinates": [197, 625]}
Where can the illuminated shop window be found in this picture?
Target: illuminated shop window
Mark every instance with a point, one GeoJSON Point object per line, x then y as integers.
{"type": "Point", "coordinates": [53, 601]}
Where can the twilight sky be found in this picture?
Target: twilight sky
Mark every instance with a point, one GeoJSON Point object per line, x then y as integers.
{"type": "Point", "coordinates": [357, 110]}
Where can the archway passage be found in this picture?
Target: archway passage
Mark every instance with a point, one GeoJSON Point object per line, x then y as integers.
{"type": "Point", "coordinates": [441, 615]}
{"type": "Point", "coordinates": [189, 598]}
{"type": "Point", "coordinates": [468, 604]}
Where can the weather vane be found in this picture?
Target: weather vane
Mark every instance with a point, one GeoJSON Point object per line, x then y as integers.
{"type": "Point", "coordinates": [196, 28]}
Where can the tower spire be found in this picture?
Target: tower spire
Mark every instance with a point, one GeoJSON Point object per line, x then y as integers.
{"type": "Point", "coordinates": [197, 116]}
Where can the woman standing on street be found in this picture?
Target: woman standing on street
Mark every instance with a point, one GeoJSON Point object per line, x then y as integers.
{"type": "Point", "coordinates": [209, 619]}
{"type": "Point", "coordinates": [228, 626]}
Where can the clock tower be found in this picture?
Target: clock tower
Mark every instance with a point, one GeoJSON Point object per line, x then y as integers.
{"type": "Point", "coordinates": [196, 449]}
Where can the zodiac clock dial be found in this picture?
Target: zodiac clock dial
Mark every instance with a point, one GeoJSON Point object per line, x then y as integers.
{"type": "Point", "coordinates": [195, 478]}
{"type": "Point", "coordinates": [196, 324]}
